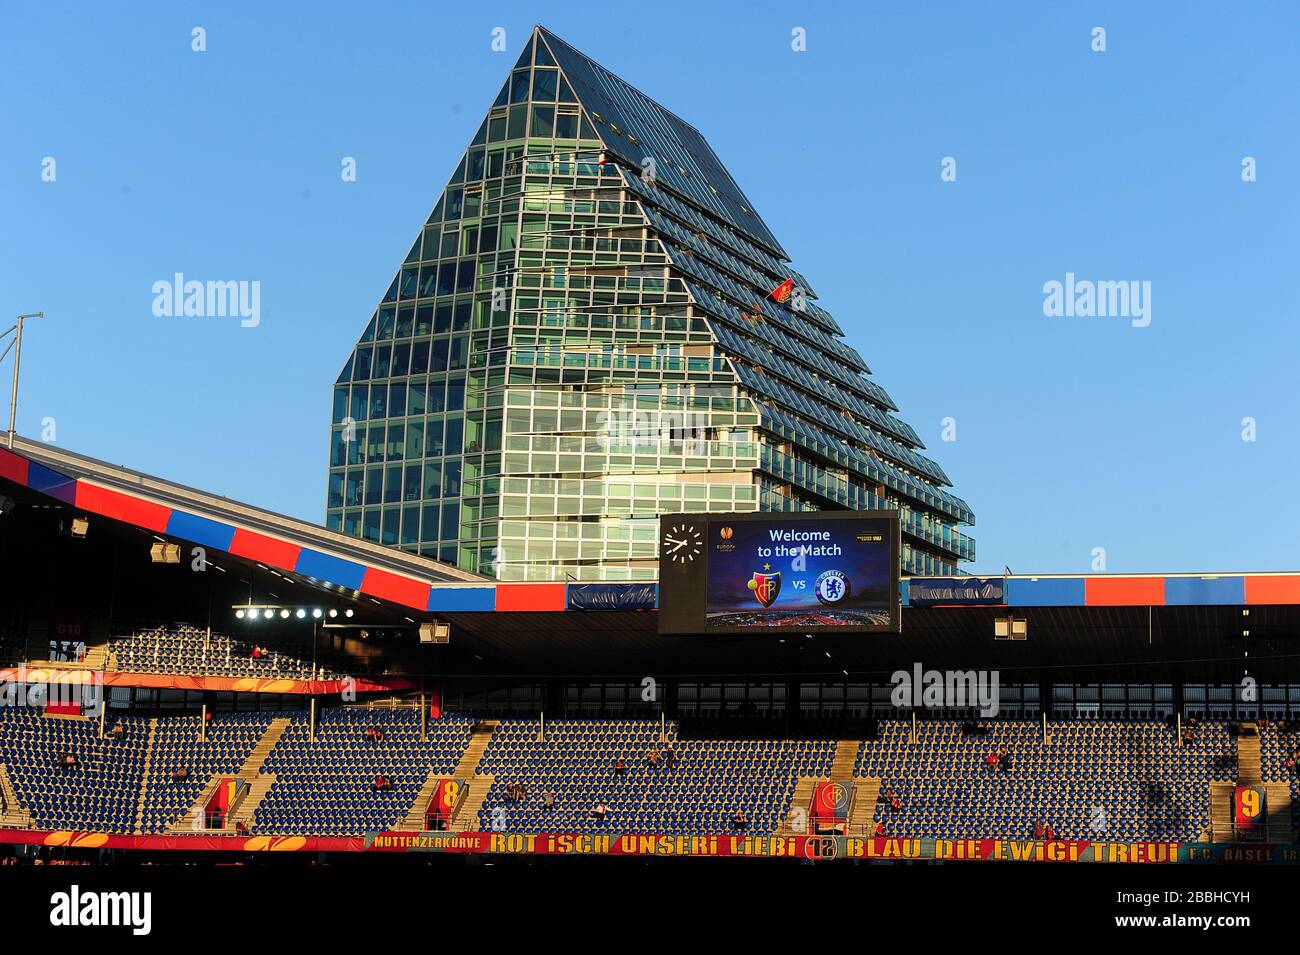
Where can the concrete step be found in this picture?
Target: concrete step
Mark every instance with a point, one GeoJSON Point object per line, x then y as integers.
{"type": "Point", "coordinates": [465, 818]}
{"type": "Point", "coordinates": [478, 744]}
{"type": "Point", "coordinates": [263, 748]}
{"type": "Point", "coordinates": [862, 816]}
{"type": "Point", "coordinates": [846, 757]}
{"type": "Point", "coordinates": [414, 819]}
{"type": "Point", "coordinates": [144, 785]}
{"type": "Point", "coordinates": [799, 815]}
{"type": "Point", "coordinates": [244, 809]}
{"type": "Point", "coordinates": [14, 815]}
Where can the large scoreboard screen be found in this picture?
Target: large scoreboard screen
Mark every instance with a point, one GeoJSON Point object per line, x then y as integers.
{"type": "Point", "coordinates": [775, 573]}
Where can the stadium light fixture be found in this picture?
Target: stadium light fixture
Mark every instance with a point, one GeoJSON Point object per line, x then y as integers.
{"type": "Point", "coordinates": [435, 632]}
{"type": "Point", "coordinates": [251, 611]}
{"type": "Point", "coordinates": [1010, 628]}
{"type": "Point", "coordinates": [165, 553]}
{"type": "Point", "coordinates": [17, 345]}
{"type": "Point", "coordinates": [333, 613]}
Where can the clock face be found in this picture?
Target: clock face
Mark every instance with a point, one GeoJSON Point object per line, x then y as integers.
{"type": "Point", "coordinates": [682, 543]}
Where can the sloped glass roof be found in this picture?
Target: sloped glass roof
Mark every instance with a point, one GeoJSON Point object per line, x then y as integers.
{"type": "Point", "coordinates": [684, 161]}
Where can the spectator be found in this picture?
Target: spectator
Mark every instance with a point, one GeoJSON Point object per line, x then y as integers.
{"type": "Point", "coordinates": [739, 822]}
{"type": "Point", "coordinates": [1048, 834]}
{"type": "Point", "coordinates": [599, 811]}
{"type": "Point", "coordinates": [1004, 758]}
{"type": "Point", "coordinates": [382, 784]}
{"type": "Point", "coordinates": [117, 730]}
{"type": "Point", "coordinates": [880, 829]}
{"type": "Point", "coordinates": [887, 796]}
{"type": "Point", "coordinates": [620, 767]}
{"type": "Point", "coordinates": [256, 653]}
{"type": "Point", "coordinates": [1038, 831]}
{"type": "Point", "coordinates": [548, 800]}
{"type": "Point", "coordinates": [67, 761]}
{"type": "Point", "coordinates": [991, 760]}
{"type": "Point", "coordinates": [180, 774]}
{"type": "Point", "coordinates": [895, 804]}
{"type": "Point", "coordinates": [669, 754]}
{"type": "Point", "coordinates": [653, 757]}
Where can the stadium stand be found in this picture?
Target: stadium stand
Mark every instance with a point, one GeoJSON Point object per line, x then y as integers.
{"type": "Point", "coordinates": [98, 794]}
{"type": "Point", "coordinates": [325, 787]}
{"type": "Point", "coordinates": [189, 650]}
{"type": "Point", "coordinates": [707, 782]}
{"type": "Point", "coordinates": [1130, 780]}
{"type": "Point", "coordinates": [176, 745]}
{"type": "Point", "coordinates": [1148, 783]}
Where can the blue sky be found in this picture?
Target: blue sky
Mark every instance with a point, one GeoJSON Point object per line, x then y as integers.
{"type": "Point", "coordinates": [1071, 433]}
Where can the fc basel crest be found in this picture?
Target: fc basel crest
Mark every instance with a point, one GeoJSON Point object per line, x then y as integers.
{"type": "Point", "coordinates": [833, 800]}
{"type": "Point", "coordinates": [766, 587]}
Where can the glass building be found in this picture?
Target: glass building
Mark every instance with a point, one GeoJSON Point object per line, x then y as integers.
{"type": "Point", "coordinates": [594, 327]}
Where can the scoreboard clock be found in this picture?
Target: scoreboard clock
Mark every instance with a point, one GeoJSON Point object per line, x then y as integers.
{"type": "Point", "coordinates": [681, 543]}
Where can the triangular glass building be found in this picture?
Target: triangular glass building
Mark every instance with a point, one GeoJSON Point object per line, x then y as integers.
{"type": "Point", "coordinates": [593, 328]}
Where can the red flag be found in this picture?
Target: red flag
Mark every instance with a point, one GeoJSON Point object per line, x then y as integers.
{"type": "Point", "coordinates": [782, 292]}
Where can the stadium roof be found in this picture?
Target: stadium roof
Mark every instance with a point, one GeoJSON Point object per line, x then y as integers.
{"type": "Point", "coordinates": [175, 510]}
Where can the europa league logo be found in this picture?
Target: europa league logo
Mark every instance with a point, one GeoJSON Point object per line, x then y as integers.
{"type": "Point", "coordinates": [725, 533]}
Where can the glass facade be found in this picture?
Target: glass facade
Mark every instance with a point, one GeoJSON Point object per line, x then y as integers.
{"type": "Point", "coordinates": [586, 334]}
